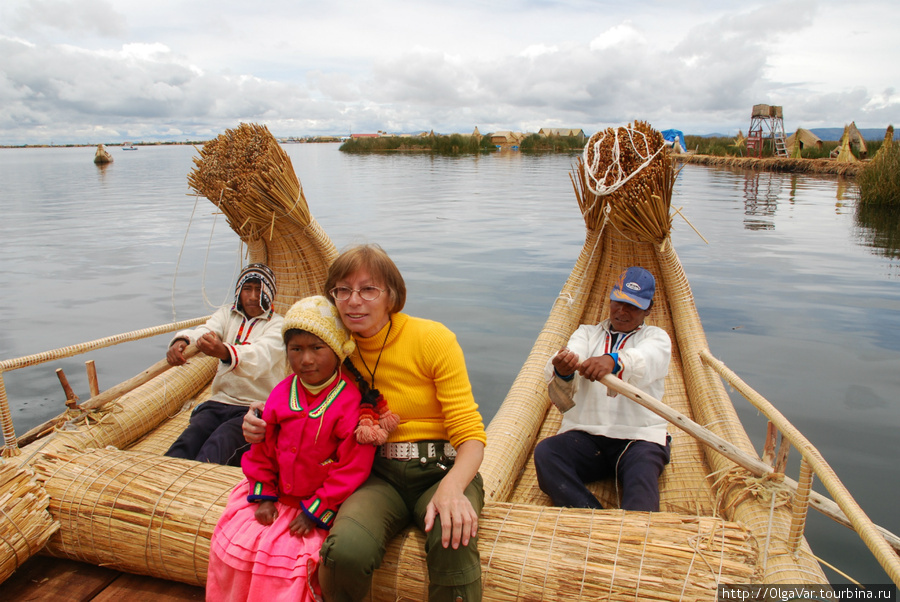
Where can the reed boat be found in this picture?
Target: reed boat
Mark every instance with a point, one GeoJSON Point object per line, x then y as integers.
{"type": "Point", "coordinates": [92, 485]}
{"type": "Point", "coordinates": [102, 156]}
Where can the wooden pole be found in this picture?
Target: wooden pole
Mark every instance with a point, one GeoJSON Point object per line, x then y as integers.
{"type": "Point", "coordinates": [97, 401]}
{"type": "Point", "coordinates": [71, 398]}
{"type": "Point", "coordinates": [93, 383]}
{"type": "Point", "coordinates": [757, 467]}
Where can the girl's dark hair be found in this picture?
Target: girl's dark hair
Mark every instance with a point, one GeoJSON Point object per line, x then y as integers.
{"type": "Point", "coordinates": [370, 396]}
{"type": "Point", "coordinates": [290, 332]}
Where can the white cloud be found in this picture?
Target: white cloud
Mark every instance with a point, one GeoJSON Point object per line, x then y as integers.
{"type": "Point", "coordinates": [623, 34]}
{"type": "Point", "coordinates": [157, 70]}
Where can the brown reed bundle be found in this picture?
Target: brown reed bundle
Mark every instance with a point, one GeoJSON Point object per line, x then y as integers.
{"type": "Point", "coordinates": [592, 205]}
{"type": "Point", "coordinates": [630, 166]}
{"type": "Point", "coordinates": [803, 165]}
{"type": "Point", "coordinates": [25, 523]}
{"type": "Point", "coordinates": [145, 514]}
{"type": "Point", "coordinates": [541, 553]}
{"type": "Point", "coordinates": [136, 512]}
{"type": "Point", "coordinates": [248, 163]}
{"type": "Point", "coordinates": [247, 174]}
{"type": "Point", "coordinates": [134, 414]}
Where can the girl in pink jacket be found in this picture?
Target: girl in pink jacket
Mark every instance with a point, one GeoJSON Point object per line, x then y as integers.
{"type": "Point", "coordinates": [266, 544]}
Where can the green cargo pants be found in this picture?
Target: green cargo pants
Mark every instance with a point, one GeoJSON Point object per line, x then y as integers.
{"type": "Point", "coordinates": [396, 494]}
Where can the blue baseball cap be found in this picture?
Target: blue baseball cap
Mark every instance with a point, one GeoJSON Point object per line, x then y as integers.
{"type": "Point", "coordinates": [634, 286]}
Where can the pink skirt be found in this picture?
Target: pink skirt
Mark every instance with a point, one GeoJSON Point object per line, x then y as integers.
{"type": "Point", "coordinates": [252, 561]}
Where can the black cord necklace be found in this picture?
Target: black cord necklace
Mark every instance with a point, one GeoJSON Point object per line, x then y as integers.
{"type": "Point", "coordinates": [378, 359]}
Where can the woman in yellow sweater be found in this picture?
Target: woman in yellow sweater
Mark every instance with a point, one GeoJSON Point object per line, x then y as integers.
{"type": "Point", "coordinates": [427, 470]}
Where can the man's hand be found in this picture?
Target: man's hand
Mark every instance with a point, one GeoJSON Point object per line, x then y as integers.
{"type": "Point", "coordinates": [175, 354]}
{"type": "Point", "coordinates": [212, 345]}
{"type": "Point", "coordinates": [595, 368]}
{"type": "Point", "coordinates": [565, 362]}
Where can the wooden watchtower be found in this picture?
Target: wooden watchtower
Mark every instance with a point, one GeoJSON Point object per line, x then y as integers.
{"type": "Point", "coordinates": [766, 122]}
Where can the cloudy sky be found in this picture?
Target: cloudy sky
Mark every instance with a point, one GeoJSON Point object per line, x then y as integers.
{"type": "Point", "coordinates": [88, 71]}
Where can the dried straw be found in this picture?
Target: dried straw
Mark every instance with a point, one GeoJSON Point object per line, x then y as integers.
{"type": "Point", "coordinates": [641, 174]}
{"type": "Point", "coordinates": [144, 514]}
{"type": "Point", "coordinates": [25, 523]}
{"type": "Point", "coordinates": [245, 173]}
{"type": "Point", "coordinates": [540, 553]}
{"type": "Point", "coordinates": [136, 512]}
{"type": "Point", "coordinates": [777, 164]}
{"type": "Point", "coordinates": [134, 414]}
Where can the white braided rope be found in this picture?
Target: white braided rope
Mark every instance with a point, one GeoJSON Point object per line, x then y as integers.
{"type": "Point", "coordinates": [641, 147]}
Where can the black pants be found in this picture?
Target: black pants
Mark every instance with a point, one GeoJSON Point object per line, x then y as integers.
{"type": "Point", "coordinates": [214, 435]}
{"type": "Point", "coordinates": [565, 462]}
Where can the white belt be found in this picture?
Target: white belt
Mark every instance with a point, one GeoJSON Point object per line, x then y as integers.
{"type": "Point", "coordinates": [421, 450]}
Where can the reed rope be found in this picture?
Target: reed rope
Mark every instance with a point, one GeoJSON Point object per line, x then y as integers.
{"type": "Point", "coordinates": [800, 505]}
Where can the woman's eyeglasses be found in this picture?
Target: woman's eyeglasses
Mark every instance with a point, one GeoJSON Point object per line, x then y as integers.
{"type": "Point", "coordinates": [366, 293]}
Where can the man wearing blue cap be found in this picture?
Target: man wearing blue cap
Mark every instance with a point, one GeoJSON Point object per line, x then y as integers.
{"type": "Point", "coordinates": [608, 435]}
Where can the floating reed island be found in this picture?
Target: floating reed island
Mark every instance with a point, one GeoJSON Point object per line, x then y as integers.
{"type": "Point", "coordinates": [782, 164]}
{"type": "Point", "coordinates": [103, 493]}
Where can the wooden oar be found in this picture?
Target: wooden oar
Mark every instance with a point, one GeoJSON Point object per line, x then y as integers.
{"type": "Point", "coordinates": [110, 394]}
{"type": "Point", "coordinates": [757, 467]}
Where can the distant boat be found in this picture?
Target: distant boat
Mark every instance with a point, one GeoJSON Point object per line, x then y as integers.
{"type": "Point", "coordinates": [128, 146]}
{"type": "Point", "coordinates": [102, 156]}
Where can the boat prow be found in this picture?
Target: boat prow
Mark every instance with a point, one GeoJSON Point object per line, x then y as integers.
{"type": "Point", "coordinates": [102, 156]}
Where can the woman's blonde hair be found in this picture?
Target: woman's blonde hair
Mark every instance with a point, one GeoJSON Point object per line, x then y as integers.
{"type": "Point", "coordinates": [381, 268]}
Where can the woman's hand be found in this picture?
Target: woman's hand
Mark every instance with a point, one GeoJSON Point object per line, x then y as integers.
{"type": "Point", "coordinates": [301, 525]}
{"type": "Point", "coordinates": [254, 427]}
{"type": "Point", "coordinates": [459, 521]}
{"type": "Point", "coordinates": [266, 512]}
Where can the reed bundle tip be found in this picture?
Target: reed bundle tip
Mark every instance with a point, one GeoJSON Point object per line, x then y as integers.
{"type": "Point", "coordinates": [626, 175]}
{"type": "Point", "coordinates": [247, 174]}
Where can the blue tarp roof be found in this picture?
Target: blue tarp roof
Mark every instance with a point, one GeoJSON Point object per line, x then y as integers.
{"type": "Point", "coordinates": [672, 135]}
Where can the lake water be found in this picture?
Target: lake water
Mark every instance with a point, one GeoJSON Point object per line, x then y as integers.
{"type": "Point", "coordinates": [797, 294]}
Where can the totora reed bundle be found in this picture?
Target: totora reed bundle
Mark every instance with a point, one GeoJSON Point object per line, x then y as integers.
{"type": "Point", "coordinates": [136, 512]}
{"type": "Point", "coordinates": [145, 514]}
{"type": "Point", "coordinates": [25, 523]}
{"type": "Point", "coordinates": [540, 553]}
{"type": "Point", "coordinates": [245, 173]}
{"type": "Point", "coordinates": [626, 175]}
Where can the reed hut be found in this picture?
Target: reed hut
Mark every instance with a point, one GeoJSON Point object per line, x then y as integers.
{"type": "Point", "coordinates": [801, 139]}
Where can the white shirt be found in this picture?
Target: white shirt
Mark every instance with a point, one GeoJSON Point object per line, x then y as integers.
{"type": "Point", "coordinates": [644, 358]}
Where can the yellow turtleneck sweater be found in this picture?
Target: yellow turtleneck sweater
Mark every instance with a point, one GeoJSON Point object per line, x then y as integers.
{"type": "Point", "coordinates": [422, 375]}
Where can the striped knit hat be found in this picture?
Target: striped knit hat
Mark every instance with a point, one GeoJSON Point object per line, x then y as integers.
{"type": "Point", "coordinates": [320, 317]}
{"type": "Point", "coordinates": [266, 277]}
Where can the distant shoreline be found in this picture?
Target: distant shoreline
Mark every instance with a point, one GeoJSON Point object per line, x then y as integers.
{"type": "Point", "coordinates": [186, 143]}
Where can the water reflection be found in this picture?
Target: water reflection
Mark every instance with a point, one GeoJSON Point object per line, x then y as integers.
{"type": "Point", "coordinates": [761, 192]}
{"type": "Point", "coordinates": [878, 227]}
{"type": "Point", "coordinates": [101, 170]}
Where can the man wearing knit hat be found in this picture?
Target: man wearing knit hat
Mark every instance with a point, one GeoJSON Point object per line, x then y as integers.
{"type": "Point", "coordinates": [607, 435]}
{"type": "Point", "coordinates": [246, 338]}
